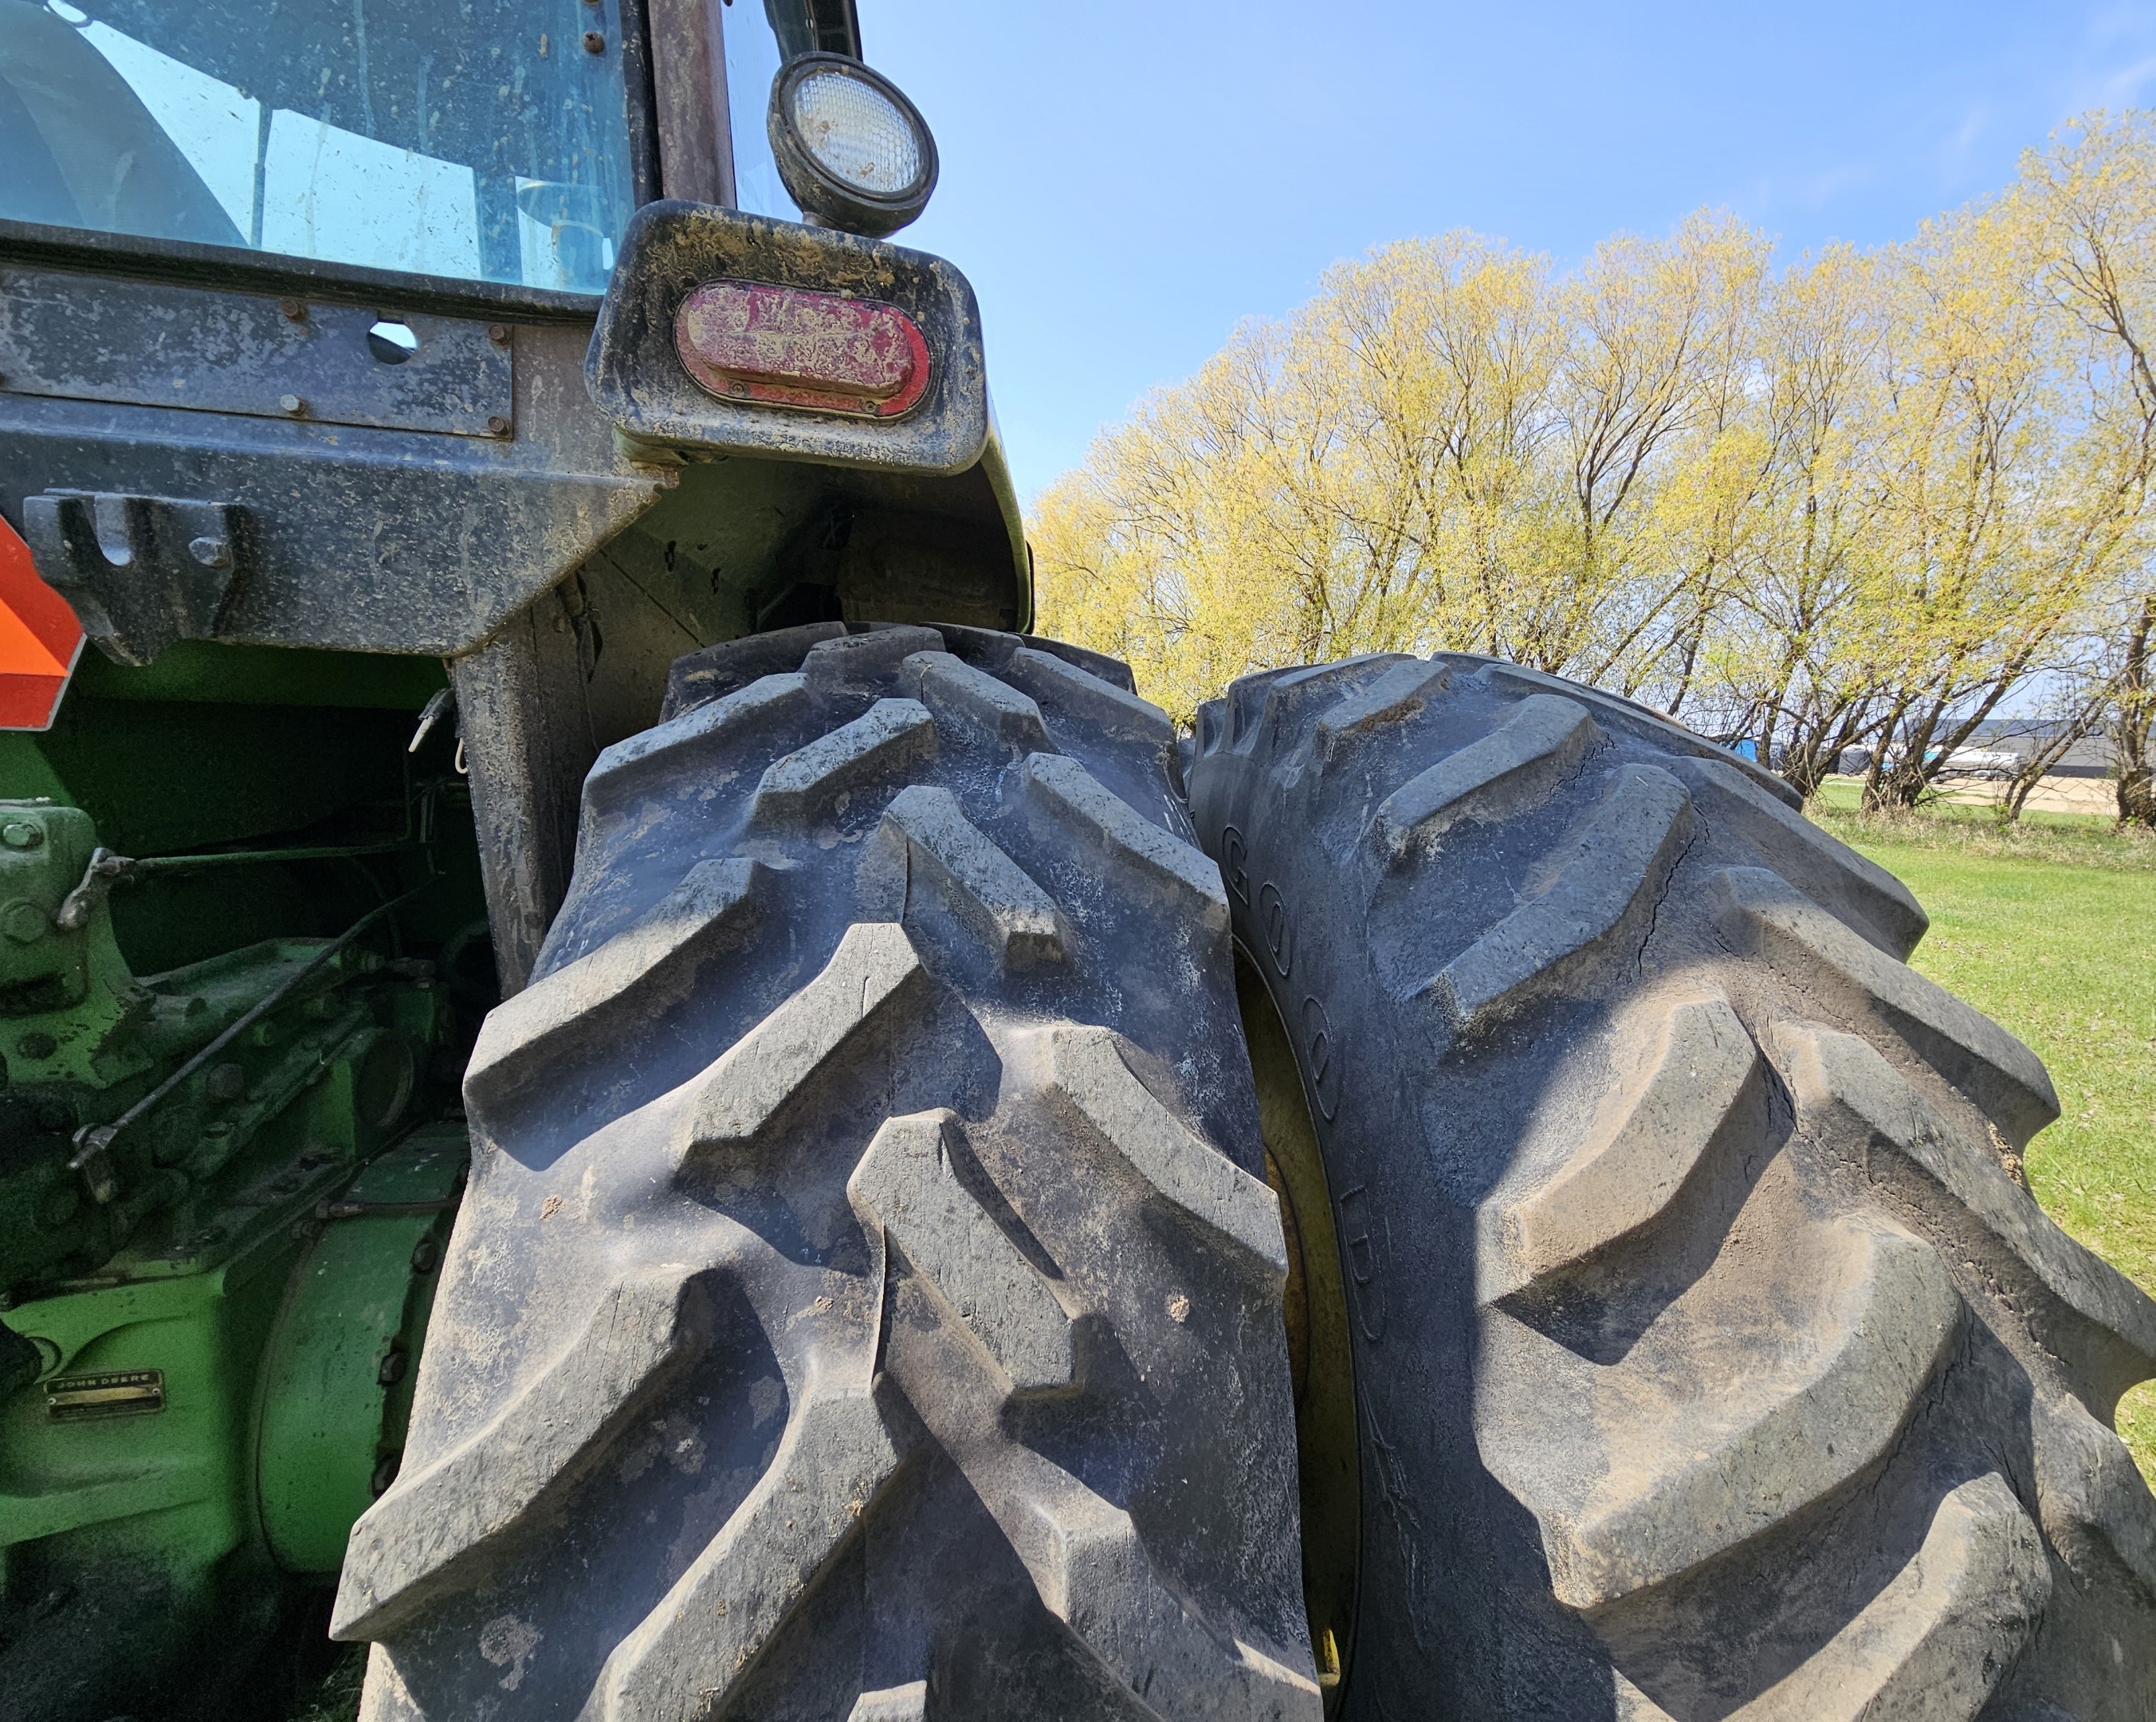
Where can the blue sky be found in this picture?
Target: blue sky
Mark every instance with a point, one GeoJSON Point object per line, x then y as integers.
{"type": "Point", "coordinates": [1123, 181]}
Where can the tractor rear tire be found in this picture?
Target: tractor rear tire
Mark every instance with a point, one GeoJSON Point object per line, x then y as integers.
{"type": "Point", "coordinates": [867, 1302]}
{"type": "Point", "coordinates": [1709, 1358]}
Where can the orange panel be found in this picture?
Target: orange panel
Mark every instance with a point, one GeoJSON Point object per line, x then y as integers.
{"type": "Point", "coordinates": [39, 639]}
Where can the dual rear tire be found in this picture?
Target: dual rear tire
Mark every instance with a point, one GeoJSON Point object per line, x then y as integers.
{"type": "Point", "coordinates": [869, 1299]}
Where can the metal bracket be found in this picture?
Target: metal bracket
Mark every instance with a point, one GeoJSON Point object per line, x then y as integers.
{"type": "Point", "coordinates": [93, 1159]}
{"type": "Point", "coordinates": [141, 571]}
{"type": "Point", "coordinates": [77, 906]}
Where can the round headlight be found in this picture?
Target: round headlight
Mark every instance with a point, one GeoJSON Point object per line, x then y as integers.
{"type": "Point", "coordinates": [853, 152]}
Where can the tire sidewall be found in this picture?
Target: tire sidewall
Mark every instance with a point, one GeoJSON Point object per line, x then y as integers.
{"type": "Point", "coordinates": [1434, 1582]}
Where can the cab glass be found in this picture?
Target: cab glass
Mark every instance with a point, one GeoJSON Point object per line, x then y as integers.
{"type": "Point", "coordinates": [481, 139]}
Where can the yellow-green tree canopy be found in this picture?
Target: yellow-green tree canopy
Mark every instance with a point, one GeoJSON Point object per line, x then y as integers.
{"type": "Point", "coordinates": [1861, 498]}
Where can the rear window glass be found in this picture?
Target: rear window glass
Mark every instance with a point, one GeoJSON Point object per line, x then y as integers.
{"type": "Point", "coordinates": [485, 140]}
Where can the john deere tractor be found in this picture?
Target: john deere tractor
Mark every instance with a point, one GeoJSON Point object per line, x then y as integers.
{"type": "Point", "coordinates": [618, 1086]}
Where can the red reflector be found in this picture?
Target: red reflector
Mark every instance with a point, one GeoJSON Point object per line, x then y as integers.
{"type": "Point", "coordinates": [747, 341]}
{"type": "Point", "coordinates": [39, 641]}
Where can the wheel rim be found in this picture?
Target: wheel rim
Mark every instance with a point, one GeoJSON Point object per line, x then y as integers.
{"type": "Point", "coordinates": [1320, 1354]}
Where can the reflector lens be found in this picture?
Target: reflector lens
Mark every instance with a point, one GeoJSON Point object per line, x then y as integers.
{"type": "Point", "coordinates": [782, 346]}
{"type": "Point", "coordinates": [856, 133]}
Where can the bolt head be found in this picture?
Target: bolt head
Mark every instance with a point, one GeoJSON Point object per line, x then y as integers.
{"type": "Point", "coordinates": [21, 834]}
{"type": "Point", "coordinates": [293, 310]}
{"type": "Point", "coordinates": [498, 333]}
{"type": "Point", "coordinates": [292, 403]}
{"type": "Point", "coordinates": [496, 425]}
{"type": "Point", "coordinates": [24, 922]}
{"type": "Point", "coordinates": [594, 42]}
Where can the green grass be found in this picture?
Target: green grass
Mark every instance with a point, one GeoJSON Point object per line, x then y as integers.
{"type": "Point", "coordinates": [2071, 839]}
{"type": "Point", "coordinates": [2051, 931]}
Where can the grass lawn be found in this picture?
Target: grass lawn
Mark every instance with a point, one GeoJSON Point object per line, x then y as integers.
{"type": "Point", "coordinates": [2051, 929]}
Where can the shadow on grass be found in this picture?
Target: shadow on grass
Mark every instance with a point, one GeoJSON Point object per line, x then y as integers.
{"type": "Point", "coordinates": [2045, 927]}
{"type": "Point", "coordinates": [336, 1699]}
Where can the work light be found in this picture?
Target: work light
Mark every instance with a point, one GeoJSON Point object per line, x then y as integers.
{"type": "Point", "coordinates": [853, 152]}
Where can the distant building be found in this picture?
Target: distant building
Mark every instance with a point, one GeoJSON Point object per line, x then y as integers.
{"type": "Point", "coordinates": [2000, 746]}
{"type": "Point", "coordinates": [2091, 756]}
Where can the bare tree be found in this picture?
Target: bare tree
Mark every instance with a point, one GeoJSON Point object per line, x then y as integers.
{"type": "Point", "coordinates": [2134, 718]}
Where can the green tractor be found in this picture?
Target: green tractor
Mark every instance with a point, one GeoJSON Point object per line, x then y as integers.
{"type": "Point", "coordinates": [615, 1083]}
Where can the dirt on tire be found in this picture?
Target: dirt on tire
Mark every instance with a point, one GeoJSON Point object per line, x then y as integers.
{"type": "Point", "coordinates": [1711, 1361]}
{"type": "Point", "coordinates": [867, 1302]}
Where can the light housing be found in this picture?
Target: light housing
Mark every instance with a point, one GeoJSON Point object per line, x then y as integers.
{"type": "Point", "coordinates": [658, 402]}
{"type": "Point", "coordinates": [853, 152]}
